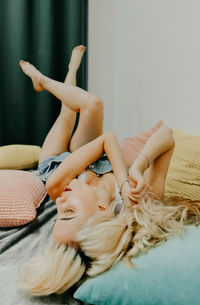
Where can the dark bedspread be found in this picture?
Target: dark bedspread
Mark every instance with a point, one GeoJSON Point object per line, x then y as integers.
{"type": "Point", "coordinates": [16, 246]}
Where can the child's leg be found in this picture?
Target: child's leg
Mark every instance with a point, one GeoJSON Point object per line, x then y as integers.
{"type": "Point", "coordinates": [78, 100]}
{"type": "Point", "coordinates": [57, 140]}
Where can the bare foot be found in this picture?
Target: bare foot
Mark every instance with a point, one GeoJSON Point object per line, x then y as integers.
{"type": "Point", "coordinates": [76, 57]}
{"type": "Point", "coordinates": [33, 73]}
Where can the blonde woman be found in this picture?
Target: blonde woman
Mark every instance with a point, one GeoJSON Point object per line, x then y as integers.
{"type": "Point", "coordinates": [84, 175]}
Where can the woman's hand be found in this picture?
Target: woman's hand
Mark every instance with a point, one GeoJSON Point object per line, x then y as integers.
{"type": "Point", "coordinates": [125, 196]}
{"type": "Point", "coordinates": [137, 185]}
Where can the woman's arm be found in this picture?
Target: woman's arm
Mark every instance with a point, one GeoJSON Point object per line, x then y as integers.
{"type": "Point", "coordinates": [158, 150]}
{"type": "Point", "coordinates": [81, 158]}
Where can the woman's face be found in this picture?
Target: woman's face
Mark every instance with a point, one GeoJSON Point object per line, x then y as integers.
{"type": "Point", "coordinates": [76, 204]}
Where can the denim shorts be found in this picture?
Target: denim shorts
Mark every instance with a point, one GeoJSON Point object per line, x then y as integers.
{"type": "Point", "coordinates": [49, 165]}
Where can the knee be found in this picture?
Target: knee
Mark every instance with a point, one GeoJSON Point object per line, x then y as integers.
{"type": "Point", "coordinates": [95, 104]}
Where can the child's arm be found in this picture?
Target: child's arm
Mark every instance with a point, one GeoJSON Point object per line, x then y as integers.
{"type": "Point", "coordinates": [81, 158]}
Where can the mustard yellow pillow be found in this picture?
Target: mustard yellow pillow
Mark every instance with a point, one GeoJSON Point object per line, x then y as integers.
{"type": "Point", "coordinates": [183, 178]}
{"type": "Point", "coordinates": [19, 156]}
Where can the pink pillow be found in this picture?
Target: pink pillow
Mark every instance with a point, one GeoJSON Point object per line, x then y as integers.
{"type": "Point", "coordinates": [21, 193]}
{"type": "Point", "coordinates": [132, 146]}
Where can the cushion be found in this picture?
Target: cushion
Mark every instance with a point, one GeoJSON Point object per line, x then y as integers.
{"type": "Point", "coordinates": [19, 156]}
{"type": "Point", "coordinates": [133, 145]}
{"type": "Point", "coordinates": [166, 275]}
{"type": "Point", "coordinates": [21, 193]}
{"type": "Point", "coordinates": [184, 170]}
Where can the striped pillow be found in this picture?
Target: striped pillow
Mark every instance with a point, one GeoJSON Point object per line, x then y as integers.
{"type": "Point", "coordinates": [21, 193]}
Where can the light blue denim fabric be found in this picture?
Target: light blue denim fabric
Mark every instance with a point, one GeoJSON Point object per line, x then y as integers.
{"type": "Point", "coordinates": [49, 165]}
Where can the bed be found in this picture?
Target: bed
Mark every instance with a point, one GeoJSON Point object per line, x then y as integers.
{"type": "Point", "coordinates": [16, 246]}
{"type": "Point", "coordinates": [27, 216]}
{"type": "Point", "coordinates": [166, 275]}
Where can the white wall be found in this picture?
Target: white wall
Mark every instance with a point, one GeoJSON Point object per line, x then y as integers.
{"type": "Point", "coordinates": [144, 61]}
{"type": "Point", "coordinates": [101, 55]}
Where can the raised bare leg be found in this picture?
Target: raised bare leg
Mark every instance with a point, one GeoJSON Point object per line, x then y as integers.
{"type": "Point", "coordinates": [73, 97]}
{"type": "Point", "coordinates": [57, 140]}
{"type": "Point", "coordinates": [74, 64]}
{"type": "Point", "coordinates": [78, 100]}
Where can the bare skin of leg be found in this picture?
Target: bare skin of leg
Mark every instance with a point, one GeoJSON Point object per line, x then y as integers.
{"type": "Point", "coordinates": [74, 99]}
{"type": "Point", "coordinates": [57, 140]}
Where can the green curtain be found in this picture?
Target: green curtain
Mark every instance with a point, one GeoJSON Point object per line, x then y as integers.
{"type": "Point", "coordinates": [44, 33]}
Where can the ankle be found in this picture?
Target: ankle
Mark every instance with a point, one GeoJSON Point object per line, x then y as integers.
{"type": "Point", "coordinates": [43, 81]}
{"type": "Point", "coordinates": [72, 69]}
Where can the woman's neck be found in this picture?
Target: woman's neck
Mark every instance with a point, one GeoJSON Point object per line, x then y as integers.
{"type": "Point", "coordinates": [105, 188]}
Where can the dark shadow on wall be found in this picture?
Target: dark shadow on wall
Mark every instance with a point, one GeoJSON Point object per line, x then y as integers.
{"type": "Point", "coordinates": [43, 33]}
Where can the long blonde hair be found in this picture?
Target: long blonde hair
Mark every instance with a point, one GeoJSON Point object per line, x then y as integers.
{"type": "Point", "coordinates": [107, 238]}
{"type": "Point", "coordinates": [104, 240]}
{"type": "Point", "coordinates": [55, 271]}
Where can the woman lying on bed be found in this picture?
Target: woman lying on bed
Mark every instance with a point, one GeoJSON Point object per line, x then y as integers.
{"type": "Point", "coordinates": [104, 212]}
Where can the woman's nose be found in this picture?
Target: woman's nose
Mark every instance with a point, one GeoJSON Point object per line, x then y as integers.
{"type": "Point", "coordinates": [60, 200]}
{"type": "Point", "coordinates": [63, 199]}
